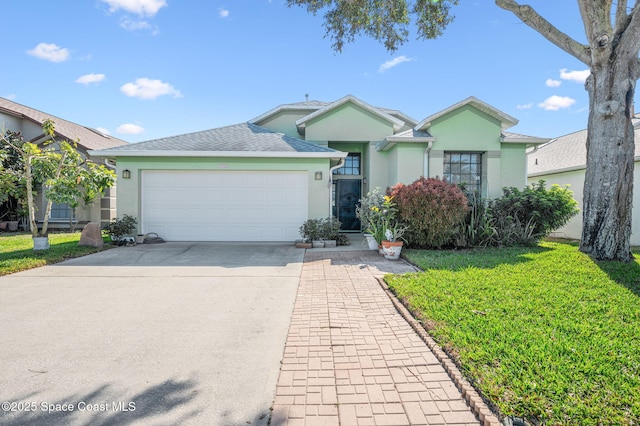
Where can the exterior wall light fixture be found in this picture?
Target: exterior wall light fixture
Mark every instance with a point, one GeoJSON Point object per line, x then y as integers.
{"type": "Point", "coordinates": [126, 174]}
{"type": "Point", "coordinates": [318, 175]}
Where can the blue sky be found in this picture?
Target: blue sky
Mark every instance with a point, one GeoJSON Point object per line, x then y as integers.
{"type": "Point", "coordinates": [145, 69]}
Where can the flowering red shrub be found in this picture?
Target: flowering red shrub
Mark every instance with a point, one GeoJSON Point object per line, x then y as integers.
{"type": "Point", "coordinates": [432, 209]}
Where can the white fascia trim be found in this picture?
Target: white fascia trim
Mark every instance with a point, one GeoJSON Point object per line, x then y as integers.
{"type": "Point", "coordinates": [279, 108]}
{"type": "Point", "coordinates": [557, 171]}
{"type": "Point", "coordinates": [229, 154]}
{"type": "Point", "coordinates": [388, 142]}
{"type": "Point", "coordinates": [397, 123]}
{"type": "Point", "coordinates": [527, 140]}
{"type": "Point", "coordinates": [505, 119]}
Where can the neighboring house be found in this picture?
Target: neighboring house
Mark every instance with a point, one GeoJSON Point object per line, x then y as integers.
{"type": "Point", "coordinates": [563, 162]}
{"type": "Point", "coordinates": [260, 180]}
{"type": "Point", "coordinates": [28, 121]}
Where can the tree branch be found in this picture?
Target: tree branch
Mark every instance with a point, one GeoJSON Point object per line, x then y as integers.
{"type": "Point", "coordinates": [630, 34]}
{"type": "Point", "coordinates": [530, 17]}
{"type": "Point", "coordinates": [621, 16]}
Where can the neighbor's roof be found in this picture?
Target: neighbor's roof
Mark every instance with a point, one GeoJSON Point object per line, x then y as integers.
{"type": "Point", "coordinates": [87, 137]}
{"type": "Point", "coordinates": [565, 154]}
{"type": "Point", "coordinates": [239, 140]}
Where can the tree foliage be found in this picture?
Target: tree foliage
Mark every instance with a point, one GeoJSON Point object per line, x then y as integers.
{"type": "Point", "coordinates": [65, 175]}
{"type": "Point", "coordinates": [384, 20]}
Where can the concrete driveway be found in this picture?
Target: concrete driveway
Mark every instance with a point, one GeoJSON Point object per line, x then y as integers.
{"type": "Point", "coordinates": [174, 333]}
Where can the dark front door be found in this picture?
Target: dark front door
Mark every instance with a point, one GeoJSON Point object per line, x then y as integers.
{"type": "Point", "coordinates": [348, 192]}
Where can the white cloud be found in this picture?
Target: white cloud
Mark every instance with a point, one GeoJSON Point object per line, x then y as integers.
{"type": "Point", "coordinates": [393, 62]}
{"type": "Point", "coordinates": [223, 13]}
{"type": "Point", "coordinates": [10, 96]}
{"type": "Point", "coordinates": [577, 76]}
{"type": "Point", "coordinates": [554, 103]}
{"type": "Point", "coordinates": [145, 88]}
{"type": "Point", "coordinates": [103, 131]}
{"type": "Point", "coordinates": [553, 83]}
{"type": "Point", "coordinates": [139, 7]}
{"type": "Point", "coordinates": [130, 129]}
{"type": "Point", "coordinates": [90, 78]}
{"type": "Point", "coordinates": [525, 106]}
{"type": "Point", "coordinates": [131, 25]}
{"type": "Point", "coordinates": [50, 52]}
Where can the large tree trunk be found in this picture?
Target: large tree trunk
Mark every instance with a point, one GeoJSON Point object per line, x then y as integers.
{"type": "Point", "coordinates": [608, 185]}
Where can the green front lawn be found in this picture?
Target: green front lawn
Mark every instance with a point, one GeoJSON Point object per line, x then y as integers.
{"type": "Point", "coordinates": [543, 333]}
{"type": "Point", "coordinates": [17, 254]}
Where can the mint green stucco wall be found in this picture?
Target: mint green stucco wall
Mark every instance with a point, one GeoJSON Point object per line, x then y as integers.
{"type": "Point", "coordinates": [471, 130]}
{"type": "Point", "coordinates": [410, 163]}
{"type": "Point", "coordinates": [129, 189]}
{"type": "Point", "coordinates": [348, 123]}
{"type": "Point", "coordinates": [514, 165]}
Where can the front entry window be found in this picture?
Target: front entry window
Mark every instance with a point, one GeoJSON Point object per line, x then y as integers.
{"type": "Point", "coordinates": [351, 165]}
{"type": "Point", "coordinates": [464, 168]}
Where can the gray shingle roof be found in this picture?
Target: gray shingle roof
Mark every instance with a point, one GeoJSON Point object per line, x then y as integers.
{"type": "Point", "coordinates": [89, 138]}
{"type": "Point", "coordinates": [565, 153]}
{"type": "Point", "coordinates": [243, 137]}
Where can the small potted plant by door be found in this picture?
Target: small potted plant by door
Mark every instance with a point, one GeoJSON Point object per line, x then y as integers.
{"type": "Point", "coordinates": [392, 247]}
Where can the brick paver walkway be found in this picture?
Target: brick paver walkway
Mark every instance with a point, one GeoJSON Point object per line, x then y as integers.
{"type": "Point", "coordinates": [352, 359]}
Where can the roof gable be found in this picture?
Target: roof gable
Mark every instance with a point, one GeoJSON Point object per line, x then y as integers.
{"type": "Point", "coordinates": [505, 119]}
{"type": "Point", "coordinates": [88, 138]}
{"type": "Point", "coordinates": [395, 122]}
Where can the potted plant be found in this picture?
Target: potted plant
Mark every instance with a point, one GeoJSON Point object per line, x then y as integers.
{"type": "Point", "coordinates": [117, 229]}
{"type": "Point", "coordinates": [368, 211]}
{"type": "Point", "coordinates": [392, 246]}
{"type": "Point", "coordinates": [310, 232]}
{"type": "Point", "coordinates": [330, 231]}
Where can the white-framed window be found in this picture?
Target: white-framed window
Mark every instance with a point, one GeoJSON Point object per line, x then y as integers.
{"type": "Point", "coordinates": [464, 168]}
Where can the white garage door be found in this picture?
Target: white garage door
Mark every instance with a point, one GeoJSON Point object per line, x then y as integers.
{"type": "Point", "coordinates": [224, 205]}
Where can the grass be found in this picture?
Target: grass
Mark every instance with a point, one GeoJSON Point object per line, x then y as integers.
{"type": "Point", "coordinates": [17, 254]}
{"type": "Point", "coordinates": [544, 333]}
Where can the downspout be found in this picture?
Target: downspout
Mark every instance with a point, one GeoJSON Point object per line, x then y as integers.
{"type": "Point", "coordinates": [426, 160]}
{"type": "Point", "coordinates": [107, 162]}
{"type": "Point", "coordinates": [340, 164]}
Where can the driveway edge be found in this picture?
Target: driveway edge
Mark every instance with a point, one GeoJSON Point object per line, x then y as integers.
{"type": "Point", "coordinates": [473, 398]}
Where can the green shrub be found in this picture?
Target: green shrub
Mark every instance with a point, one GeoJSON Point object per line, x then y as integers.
{"type": "Point", "coordinates": [118, 228]}
{"type": "Point", "coordinates": [329, 228]}
{"type": "Point", "coordinates": [530, 214]}
{"type": "Point", "coordinates": [321, 229]}
{"type": "Point", "coordinates": [310, 229]}
{"type": "Point", "coordinates": [432, 210]}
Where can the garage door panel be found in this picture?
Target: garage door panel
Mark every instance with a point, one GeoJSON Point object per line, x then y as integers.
{"type": "Point", "coordinates": [224, 205]}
